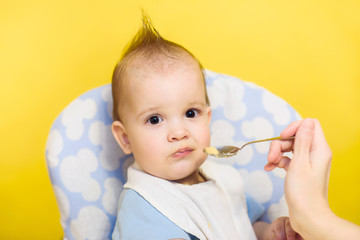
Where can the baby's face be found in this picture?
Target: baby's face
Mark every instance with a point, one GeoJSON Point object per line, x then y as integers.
{"type": "Point", "coordinates": [166, 120]}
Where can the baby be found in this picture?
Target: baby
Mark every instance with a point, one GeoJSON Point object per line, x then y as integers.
{"type": "Point", "coordinates": [162, 115]}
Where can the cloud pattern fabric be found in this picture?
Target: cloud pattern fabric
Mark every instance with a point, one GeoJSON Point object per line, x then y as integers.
{"type": "Point", "coordinates": [88, 169]}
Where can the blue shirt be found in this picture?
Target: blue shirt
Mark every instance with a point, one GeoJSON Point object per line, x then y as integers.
{"type": "Point", "coordinates": [140, 220]}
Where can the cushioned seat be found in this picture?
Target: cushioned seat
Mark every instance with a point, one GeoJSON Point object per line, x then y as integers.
{"type": "Point", "coordinates": [87, 168]}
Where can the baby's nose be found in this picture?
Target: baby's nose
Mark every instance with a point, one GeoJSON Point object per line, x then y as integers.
{"type": "Point", "coordinates": [178, 133]}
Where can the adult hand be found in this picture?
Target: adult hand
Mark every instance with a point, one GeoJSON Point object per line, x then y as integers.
{"type": "Point", "coordinates": [306, 183]}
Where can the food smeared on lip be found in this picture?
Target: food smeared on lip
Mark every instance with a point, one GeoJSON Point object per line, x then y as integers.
{"type": "Point", "coordinates": [211, 150]}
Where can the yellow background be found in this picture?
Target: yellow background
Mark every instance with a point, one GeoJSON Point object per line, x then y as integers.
{"type": "Point", "coordinates": [307, 52]}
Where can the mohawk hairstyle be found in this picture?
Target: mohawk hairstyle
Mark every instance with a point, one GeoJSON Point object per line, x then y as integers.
{"type": "Point", "coordinates": [146, 44]}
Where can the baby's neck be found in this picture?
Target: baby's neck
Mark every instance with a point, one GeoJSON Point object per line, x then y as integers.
{"type": "Point", "coordinates": [192, 179]}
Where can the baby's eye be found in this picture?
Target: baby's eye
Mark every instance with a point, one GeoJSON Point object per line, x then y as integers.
{"type": "Point", "coordinates": [154, 120]}
{"type": "Point", "coordinates": [191, 113]}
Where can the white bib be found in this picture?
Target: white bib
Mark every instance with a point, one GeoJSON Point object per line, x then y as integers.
{"type": "Point", "coordinates": [212, 210]}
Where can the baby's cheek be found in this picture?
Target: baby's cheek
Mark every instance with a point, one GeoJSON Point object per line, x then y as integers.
{"type": "Point", "coordinates": [153, 146]}
{"type": "Point", "coordinates": [205, 137]}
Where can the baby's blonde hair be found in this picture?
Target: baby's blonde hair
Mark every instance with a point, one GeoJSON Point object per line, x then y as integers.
{"type": "Point", "coordinates": [146, 45]}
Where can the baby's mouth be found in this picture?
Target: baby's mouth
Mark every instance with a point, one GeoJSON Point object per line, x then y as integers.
{"type": "Point", "coordinates": [182, 152]}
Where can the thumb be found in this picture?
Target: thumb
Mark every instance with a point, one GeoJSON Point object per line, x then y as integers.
{"type": "Point", "coordinates": [303, 141]}
{"type": "Point", "coordinates": [320, 151]}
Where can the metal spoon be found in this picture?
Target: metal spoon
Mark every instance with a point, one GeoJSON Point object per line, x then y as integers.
{"type": "Point", "coordinates": [229, 151]}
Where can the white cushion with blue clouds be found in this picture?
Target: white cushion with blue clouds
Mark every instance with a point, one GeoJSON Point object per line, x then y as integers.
{"type": "Point", "coordinates": [88, 169]}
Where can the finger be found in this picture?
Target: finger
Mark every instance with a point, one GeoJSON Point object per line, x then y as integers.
{"type": "Point", "coordinates": [289, 231]}
{"type": "Point", "coordinates": [321, 155]}
{"type": "Point", "coordinates": [319, 138]}
{"type": "Point", "coordinates": [286, 167]}
{"type": "Point", "coordinates": [299, 237]}
{"type": "Point", "coordinates": [269, 167]}
{"type": "Point", "coordinates": [321, 152]}
{"type": "Point", "coordinates": [303, 142]}
{"type": "Point", "coordinates": [277, 148]}
{"type": "Point", "coordinates": [284, 163]}
{"type": "Point", "coordinates": [275, 152]}
{"type": "Point", "coordinates": [279, 230]}
{"type": "Point", "coordinates": [291, 130]}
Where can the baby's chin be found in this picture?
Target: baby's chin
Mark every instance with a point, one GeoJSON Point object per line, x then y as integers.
{"type": "Point", "coordinates": [187, 175]}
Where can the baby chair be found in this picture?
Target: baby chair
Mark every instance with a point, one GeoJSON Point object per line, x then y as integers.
{"type": "Point", "coordinates": [88, 169]}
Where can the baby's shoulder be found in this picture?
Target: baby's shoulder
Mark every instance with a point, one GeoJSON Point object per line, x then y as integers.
{"type": "Point", "coordinates": [136, 213]}
{"type": "Point", "coordinates": [132, 201]}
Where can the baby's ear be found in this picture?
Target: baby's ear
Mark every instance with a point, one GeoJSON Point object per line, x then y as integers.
{"type": "Point", "coordinates": [121, 136]}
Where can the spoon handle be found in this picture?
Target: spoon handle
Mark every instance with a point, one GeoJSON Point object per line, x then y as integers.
{"type": "Point", "coordinates": [267, 139]}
